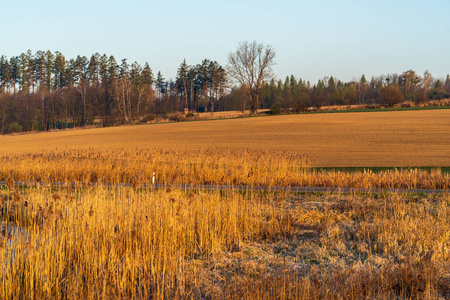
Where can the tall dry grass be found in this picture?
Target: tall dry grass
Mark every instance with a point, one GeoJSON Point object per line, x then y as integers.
{"type": "Point", "coordinates": [165, 244]}
{"type": "Point", "coordinates": [251, 167]}
{"type": "Point", "coordinates": [105, 242]}
{"type": "Point", "coordinates": [173, 167]}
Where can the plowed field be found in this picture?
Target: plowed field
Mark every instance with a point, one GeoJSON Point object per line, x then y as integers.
{"type": "Point", "coordinates": [368, 139]}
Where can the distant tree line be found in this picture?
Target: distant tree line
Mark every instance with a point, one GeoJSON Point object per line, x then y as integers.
{"type": "Point", "coordinates": [45, 90]}
{"type": "Point", "coordinates": [386, 90]}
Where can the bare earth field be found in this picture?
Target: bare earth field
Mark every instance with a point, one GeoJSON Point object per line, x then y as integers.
{"type": "Point", "coordinates": [368, 139]}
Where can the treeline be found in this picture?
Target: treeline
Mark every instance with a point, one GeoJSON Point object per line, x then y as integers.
{"type": "Point", "coordinates": [299, 95]}
{"type": "Point", "coordinates": [44, 90]}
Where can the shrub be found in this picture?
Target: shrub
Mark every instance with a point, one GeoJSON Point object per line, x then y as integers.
{"type": "Point", "coordinates": [275, 109]}
{"type": "Point", "coordinates": [15, 127]}
{"type": "Point", "coordinates": [149, 118]}
{"type": "Point", "coordinates": [436, 94]}
{"type": "Point", "coordinates": [177, 117]}
{"type": "Point", "coordinates": [407, 104]}
{"type": "Point", "coordinates": [190, 115]}
{"type": "Point", "coordinates": [108, 121]}
{"type": "Point", "coordinates": [373, 106]}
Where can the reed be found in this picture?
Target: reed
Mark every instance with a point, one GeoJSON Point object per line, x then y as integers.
{"type": "Point", "coordinates": [250, 167]}
{"type": "Point", "coordinates": [177, 244]}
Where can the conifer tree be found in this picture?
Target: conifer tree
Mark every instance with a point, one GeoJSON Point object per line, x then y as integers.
{"type": "Point", "coordinates": [160, 85]}
{"type": "Point", "coordinates": [181, 81]}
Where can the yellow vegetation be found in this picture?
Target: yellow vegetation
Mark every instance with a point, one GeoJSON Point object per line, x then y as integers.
{"type": "Point", "coordinates": [261, 168]}
{"type": "Point", "coordinates": [82, 242]}
{"type": "Point", "coordinates": [128, 243]}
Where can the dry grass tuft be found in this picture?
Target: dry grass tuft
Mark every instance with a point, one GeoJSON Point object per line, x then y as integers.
{"type": "Point", "coordinates": [136, 180]}
{"type": "Point", "coordinates": [17, 197]}
{"type": "Point", "coordinates": [56, 197]}
{"type": "Point", "coordinates": [10, 183]}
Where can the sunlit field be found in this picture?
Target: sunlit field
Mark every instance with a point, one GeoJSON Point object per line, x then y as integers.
{"type": "Point", "coordinates": [86, 239]}
{"type": "Point", "coordinates": [366, 139]}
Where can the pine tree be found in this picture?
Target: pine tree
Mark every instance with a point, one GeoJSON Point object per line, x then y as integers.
{"type": "Point", "coordinates": [135, 73]}
{"type": "Point", "coordinates": [49, 57]}
{"type": "Point", "coordinates": [362, 88]}
{"type": "Point", "coordinates": [93, 69]}
{"type": "Point", "coordinates": [4, 73]}
{"type": "Point", "coordinates": [103, 68]}
{"type": "Point", "coordinates": [14, 71]}
{"type": "Point", "coordinates": [30, 69]}
{"type": "Point", "coordinates": [59, 71]}
{"type": "Point", "coordinates": [160, 85]}
{"type": "Point", "coordinates": [147, 75]}
{"type": "Point", "coordinates": [331, 90]}
{"type": "Point", "coordinates": [181, 81]}
{"type": "Point", "coordinates": [124, 68]}
{"type": "Point", "coordinates": [39, 69]}
{"type": "Point", "coordinates": [113, 68]}
{"type": "Point", "coordinates": [24, 76]}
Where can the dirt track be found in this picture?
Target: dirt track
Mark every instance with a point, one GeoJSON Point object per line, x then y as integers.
{"type": "Point", "coordinates": [290, 189]}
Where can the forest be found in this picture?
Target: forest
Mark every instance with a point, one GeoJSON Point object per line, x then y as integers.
{"type": "Point", "coordinates": [44, 90]}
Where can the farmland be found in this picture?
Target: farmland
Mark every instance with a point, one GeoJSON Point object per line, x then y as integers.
{"type": "Point", "coordinates": [390, 139]}
{"type": "Point", "coordinates": [77, 240]}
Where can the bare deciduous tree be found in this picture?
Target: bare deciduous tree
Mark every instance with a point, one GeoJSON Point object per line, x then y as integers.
{"type": "Point", "coordinates": [391, 95]}
{"type": "Point", "coordinates": [123, 96]}
{"type": "Point", "coordinates": [251, 66]}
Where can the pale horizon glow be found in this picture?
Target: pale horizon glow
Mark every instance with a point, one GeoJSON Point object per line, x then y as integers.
{"type": "Point", "coordinates": [312, 39]}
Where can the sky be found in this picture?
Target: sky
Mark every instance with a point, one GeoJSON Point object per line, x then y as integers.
{"type": "Point", "coordinates": [312, 39]}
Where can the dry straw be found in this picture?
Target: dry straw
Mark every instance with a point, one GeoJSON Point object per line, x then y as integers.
{"type": "Point", "coordinates": [250, 167]}
{"type": "Point", "coordinates": [128, 243]}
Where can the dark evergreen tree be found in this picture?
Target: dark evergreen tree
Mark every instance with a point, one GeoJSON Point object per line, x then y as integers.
{"type": "Point", "coordinates": [182, 82]}
{"type": "Point", "coordinates": [94, 69]}
{"type": "Point", "coordinates": [14, 71]}
{"type": "Point", "coordinates": [160, 85]}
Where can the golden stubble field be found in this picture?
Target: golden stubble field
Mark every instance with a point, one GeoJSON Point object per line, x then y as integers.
{"type": "Point", "coordinates": [401, 139]}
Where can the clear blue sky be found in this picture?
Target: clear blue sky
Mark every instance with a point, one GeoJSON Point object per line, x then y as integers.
{"type": "Point", "coordinates": [312, 39]}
